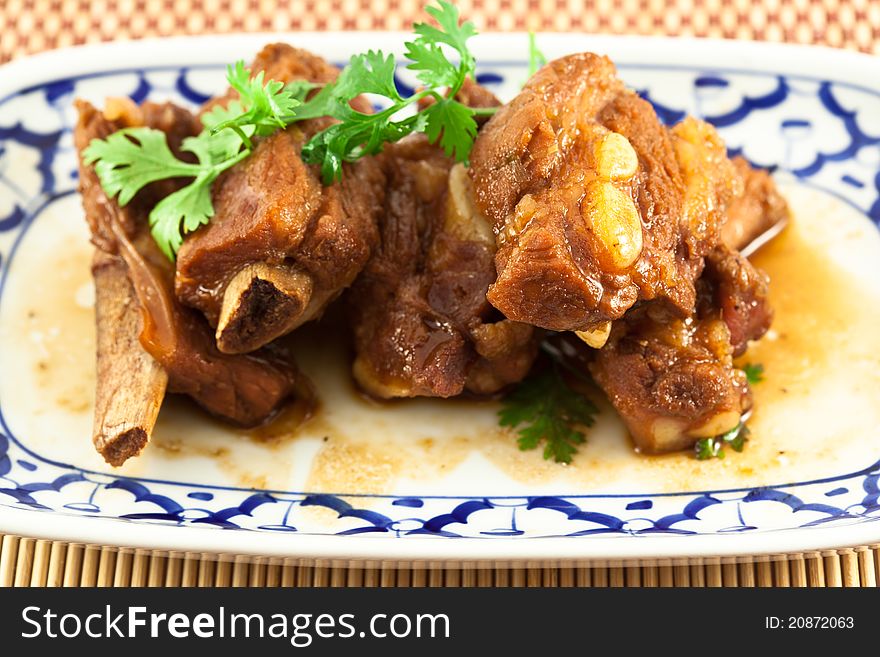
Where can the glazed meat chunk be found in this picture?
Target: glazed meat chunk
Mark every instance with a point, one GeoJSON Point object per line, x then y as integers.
{"type": "Point", "coordinates": [422, 324]}
{"type": "Point", "coordinates": [281, 245]}
{"type": "Point", "coordinates": [672, 380]}
{"type": "Point", "coordinates": [243, 389]}
{"type": "Point", "coordinates": [595, 204]}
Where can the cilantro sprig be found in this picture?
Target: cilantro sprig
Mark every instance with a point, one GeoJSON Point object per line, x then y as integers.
{"type": "Point", "coordinates": [444, 120]}
{"type": "Point", "coordinates": [544, 408]}
{"type": "Point", "coordinates": [130, 159]}
{"type": "Point", "coordinates": [713, 448]}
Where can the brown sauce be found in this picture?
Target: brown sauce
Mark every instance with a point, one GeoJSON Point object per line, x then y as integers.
{"type": "Point", "coordinates": [823, 350]}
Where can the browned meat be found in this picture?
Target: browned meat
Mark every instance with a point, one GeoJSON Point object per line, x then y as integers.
{"type": "Point", "coordinates": [421, 321]}
{"type": "Point", "coordinates": [281, 246]}
{"type": "Point", "coordinates": [672, 380]}
{"type": "Point", "coordinates": [740, 295]}
{"type": "Point", "coordinates": [244, 389]}
{"type": "Point", "coordinates": [595, 204]}
{"type": "Point", "coordinates": [758, 210]}
{"type": "Point", "coordinates": [476, 96]}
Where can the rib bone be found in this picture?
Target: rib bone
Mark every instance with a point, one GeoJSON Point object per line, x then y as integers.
{"type": "Point", "coordinates": [130, 383]}
{"type": "Point", "coordinates": [261, 303]}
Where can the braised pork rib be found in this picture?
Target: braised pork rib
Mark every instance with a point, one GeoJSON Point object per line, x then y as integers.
{"type": "Point", "coordinates": [421, 321]}
{"type": "Point", "coordinates": [281, 245]}
{"type": "Point", "coordinates": [243, 389]}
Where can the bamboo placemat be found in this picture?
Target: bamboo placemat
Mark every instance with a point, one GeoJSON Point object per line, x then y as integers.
{"type": "Point", "coordinates": [31, 562]}
{"type": "Point", "coordinates": [29, 26]}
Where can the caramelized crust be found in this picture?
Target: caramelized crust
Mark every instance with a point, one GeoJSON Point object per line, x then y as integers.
{"type": "Point", "coordinates": [595, 204]}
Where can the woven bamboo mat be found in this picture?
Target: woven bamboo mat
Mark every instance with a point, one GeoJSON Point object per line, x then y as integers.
{"type": "Point", "coordinates": [29, 26]}
{"type": "Point", "coordinates": [30, 562]}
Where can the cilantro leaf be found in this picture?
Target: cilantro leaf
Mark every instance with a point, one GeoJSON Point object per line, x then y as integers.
{"type": "Point", "coordinates": [268, 103]}
{"type": "Point", "coordinates": [754, 372]}
{"type": "Point", "coordinates": [544, 408]}
{"type": "Point", "coordinates": [444, 120]}
{"type": "Point", "coordinates": [737, 437]}
{"type": "Point", "coordinates": [433, 68]}
{"type": "Point", "coordinates": [129, 159]}
{"type": "Point", "coordinates": [369, 73]}
{"type": "Point", "coordinates": [708, 448]}
{"type": "Point", "coordinates": [454, 125]}
{"type": "Point", "coordinates": [132, 158]}
{"type": "Point", "coordinates": [536, 57]}
{"type": "Point", "coordinates": [190, 205]}
{"type": "Point", "coordinates": [450, 32]}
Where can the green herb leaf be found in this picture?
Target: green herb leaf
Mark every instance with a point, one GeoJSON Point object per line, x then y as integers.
{"type": "Point", "coordinates": [434, 70]}
{"type": "Point", "coordinates": [444, 120]}
{"type": "Point", "coordinates": [130, 159]}
{"type": "Point", "coordinates": [536, 57]}
{"type": "Point", "coordinates": [708, 448]}
{"type": "Point", "coordinates": [754, 373]}
{"type": "Point", "coordinates": [454, 125]}
{"type": "Point", "coordinates": [450, 33]}
{"type": "Point", "coordinates": [269, 104]}
{"type": "Point", "coordinates": [190, 205]}
{"type": "Point", "coordinates": [737, 437]}
{"type": "Point", "coordinates": [544, 408]}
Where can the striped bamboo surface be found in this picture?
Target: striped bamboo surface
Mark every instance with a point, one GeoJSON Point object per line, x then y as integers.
{"type": "Point", "coordinates": [31, 562]}
{"type": "Point", "coordinates": [29, 26]}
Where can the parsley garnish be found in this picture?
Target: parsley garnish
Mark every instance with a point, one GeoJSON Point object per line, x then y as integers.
{"type": "Point", "coordinates": [708, 448]}
{"type": "Point", "coordinates": [754, 372]}
{"type": "Point", "coordinates": [536, 57]}
{"type": "Point", "coordinates": [130, 159]}
{"type": "Point", "coordinates": [545, 408]}
{"type": "Point", "coordinates": [445, 120]}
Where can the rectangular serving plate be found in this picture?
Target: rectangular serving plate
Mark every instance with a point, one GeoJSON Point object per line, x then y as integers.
{"type": "Point", "coordinates": [808, 112]}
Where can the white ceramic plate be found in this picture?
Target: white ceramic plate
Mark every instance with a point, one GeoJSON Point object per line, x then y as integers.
{"type": "Point", "coordinates": [435, 479]}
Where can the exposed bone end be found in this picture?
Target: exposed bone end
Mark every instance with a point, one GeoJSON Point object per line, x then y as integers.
{"type": "Point", "coordinates": [261, 302]}
{"type": "Point", "coordinates": [716, 425]}
{"type": "Point", "coordinates": [667, 434]}
{"type": "Point", "coordinates": [130, 383]}
{"type": "Point", "coordinates": [123, 445]}
{"type": "Point", "coordinates": [597, 337]}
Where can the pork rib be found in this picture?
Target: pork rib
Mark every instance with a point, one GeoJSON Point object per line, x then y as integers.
{"type": "Point", "coordinates": [281, 245]}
